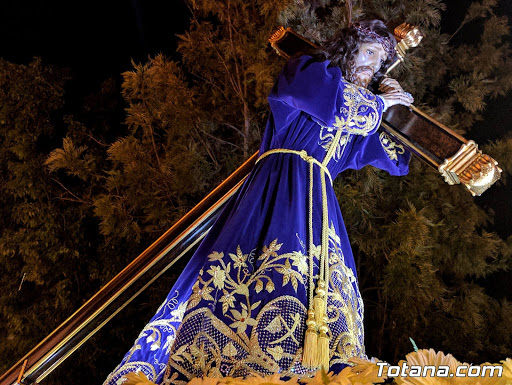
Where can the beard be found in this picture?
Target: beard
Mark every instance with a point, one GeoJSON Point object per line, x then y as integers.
{"type": "Point", "coordinates": [361, 76]}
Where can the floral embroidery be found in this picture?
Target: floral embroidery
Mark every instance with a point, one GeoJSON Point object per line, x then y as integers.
{"type": "Point", "coordinates": [151, 336]}
{"type": "Point", "coordinates": [231, 328]}
{"type": "Point", "coordinates": [391, 148]}
{"type": "Point", "coordinates": [326, 138]}
{"type": "Point", "coordinates": [359, 115]}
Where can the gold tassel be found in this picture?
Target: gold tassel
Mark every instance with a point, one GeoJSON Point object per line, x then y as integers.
{"type": "Point", "coordinates": [323, 346]}
{"type": "Point", "coordinates": [309, 354]}
{"type": "Point", "coordinates": [319, 302]}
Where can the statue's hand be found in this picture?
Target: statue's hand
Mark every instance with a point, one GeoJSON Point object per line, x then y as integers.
{"type": "Point", "coordinates": [393, 93]}
{"type": "Point", "coordinates": [396, 96]}
{"type": "Point", "coordinates": [389, 85]}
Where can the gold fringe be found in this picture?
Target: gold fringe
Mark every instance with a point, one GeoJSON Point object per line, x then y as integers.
{"type": "Point", "coordinates": [323, 349]}
{"type": "Point", "coordinates": [310, 352]}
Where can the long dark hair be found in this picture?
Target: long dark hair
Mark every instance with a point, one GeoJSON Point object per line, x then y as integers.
{"type": "Point", "coordinates": [342, 47]}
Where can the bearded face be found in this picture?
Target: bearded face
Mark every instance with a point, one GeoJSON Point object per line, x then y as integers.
{"type": "Point", "coordinates": [368, 61]}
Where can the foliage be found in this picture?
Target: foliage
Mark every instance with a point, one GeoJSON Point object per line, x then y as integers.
{"type": "Point", "coordinates": [236, 69]}
{"type": "Point", "coordinates": [84, 191]}
{"type": "Point", "coordinates": [43, 242]}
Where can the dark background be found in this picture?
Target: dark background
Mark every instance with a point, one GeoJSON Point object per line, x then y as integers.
{"type": "Point", "coordinates": [97, 40]}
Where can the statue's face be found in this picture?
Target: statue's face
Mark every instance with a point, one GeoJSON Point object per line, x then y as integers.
{"type": "Point", "coordinates": [368, 60]}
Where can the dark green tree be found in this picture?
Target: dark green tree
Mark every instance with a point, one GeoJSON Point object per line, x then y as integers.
{"type": "Point", "coordinates": [74, 216]}
{"type": "Point", "coordinates": [43, 241]}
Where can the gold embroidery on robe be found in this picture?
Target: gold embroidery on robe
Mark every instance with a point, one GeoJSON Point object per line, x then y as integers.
{"type": "Point", "coordinates": [358, 116]}
{"type": "Point", "coordinates": [392, 148]}
{"type": "Point", "coordinates": [152, 333]}
{"type": "Point", "coordinates": [327, 136]}
{"type": "Point", "coordinates": [261, 337]}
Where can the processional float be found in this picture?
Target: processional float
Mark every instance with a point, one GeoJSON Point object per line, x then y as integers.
{"type": "Point", "coordinates": [457, 159]}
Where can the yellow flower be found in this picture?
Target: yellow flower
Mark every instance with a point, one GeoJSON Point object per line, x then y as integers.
{"type": "Point", "coordinates": [363, 372]}
{"type": "Point", "coordinates": [274, 379]}
{"type": "Point", "coordinates": [425, 357]}
{"type": "Point", "coordinates": [485, 376]}
{"type": "Point", "coordinates": [322, 378]}
{"type": "Point", "coordinates": [203, 381]}
{"type": "Point", "coordinates": [507, 369]}
{"type": "Point", "coordinates": [138, 378]}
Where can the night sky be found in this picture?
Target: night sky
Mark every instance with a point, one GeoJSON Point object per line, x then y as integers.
{"type": "Point", "coordinates": [98, 38]}
{"type": "Point", "coordinates": [95, 39]}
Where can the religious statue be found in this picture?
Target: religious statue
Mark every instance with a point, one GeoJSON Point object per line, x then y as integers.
{"type": "Point", "coordinates": [273, 286]}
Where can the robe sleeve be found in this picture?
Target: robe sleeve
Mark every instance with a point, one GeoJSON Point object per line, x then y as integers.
{"type": "Point", "coordinates": [378, 150]}
{"type": "Point", "coordinates": [320, 91]}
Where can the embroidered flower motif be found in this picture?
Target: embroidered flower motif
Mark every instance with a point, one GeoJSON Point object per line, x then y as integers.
{"type": "Point", "coordinates": [152, 336]}
{"type": "Point", "coordinates": [218, 275]}
{"type": "Point", "coordinates": [392, 149]}
{"type": "Point", "coordinates": [215, 256]}
{"type": "Point", "coordinates": [228, 300]}
{"type": "Point", "coordinates": [270, 251]}
{"type": "Point", "coordinates": [300, 261]}
{"type": "Point", "coordinates": [239, 258]}
{"type": "Point", "coordinates": [290, 275]}
{"type": "Point", "coordinates": [243, 320]}
{"type": "Point", "coordinates": [179, 312]}
{"type": "Point", "coordinates": [199, 294]}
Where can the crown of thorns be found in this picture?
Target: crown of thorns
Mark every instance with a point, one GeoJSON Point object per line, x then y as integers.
{"type": "Point", "coordinates": [385, 42]}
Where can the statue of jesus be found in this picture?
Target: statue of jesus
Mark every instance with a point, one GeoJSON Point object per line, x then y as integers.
{"type": "Point", "coordinates": [273, 286]}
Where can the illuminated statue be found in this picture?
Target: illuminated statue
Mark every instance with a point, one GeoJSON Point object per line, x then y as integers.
{"type": "Point", "coordinates": [273, 287]}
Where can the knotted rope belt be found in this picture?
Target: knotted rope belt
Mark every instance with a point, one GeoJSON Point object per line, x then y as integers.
{"type": "Point", "coordinates": [316, 342]}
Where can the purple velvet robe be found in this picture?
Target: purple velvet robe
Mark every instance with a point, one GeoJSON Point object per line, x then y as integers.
{"type": "Point", "coordinates": [240, 305]}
